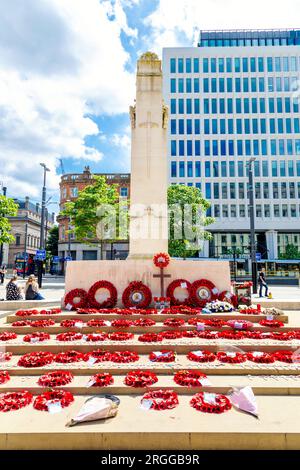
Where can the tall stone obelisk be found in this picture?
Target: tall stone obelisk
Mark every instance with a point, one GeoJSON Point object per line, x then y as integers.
{"type": "Point", "coordinates": [149, 169]}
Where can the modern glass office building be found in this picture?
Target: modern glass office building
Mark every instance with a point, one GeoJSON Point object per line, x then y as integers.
{"type": "Point", "coordinates": [235, 97]}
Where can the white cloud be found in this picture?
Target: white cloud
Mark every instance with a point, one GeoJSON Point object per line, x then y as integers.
{"type": "Point", "coordinates": [60, 61]}
{"type": "Point", "coordinates": [177, 22]}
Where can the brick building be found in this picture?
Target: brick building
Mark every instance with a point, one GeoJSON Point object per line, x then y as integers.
{"type": "Point", "coordinates": [27, 223]}
{"type": "Point", "coordinates": [70, 185]}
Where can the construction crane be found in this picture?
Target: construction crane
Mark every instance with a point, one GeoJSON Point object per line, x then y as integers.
{"type": "Point", "coordinates": [62, 168]}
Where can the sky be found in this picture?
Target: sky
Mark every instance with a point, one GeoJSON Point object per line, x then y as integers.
{"type": "Point", "coordinates": [67, 76]}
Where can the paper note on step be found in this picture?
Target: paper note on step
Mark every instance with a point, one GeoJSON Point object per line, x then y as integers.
{"type": "Point", "coordinates": [34, 340]}
{"type": "Point", "coordinates": [146, 404]}
{"type": "Point", "coordinates": [69, 307]}
{"type": "Point", "coordinates": [200, 326]}
{"type": "Point", "coordinates": [92, 361]}
{"type": "Point", "coordinates": [198, 353]}
{"type": "Point", "coordinates": [209, 398]}
{"type": "Point", "coordinates": [270, 317]}
{"type": "Point", "coordinates": [183, 285]}
{"type": "Point", "coordinates": [205, 382]}
{"type": "Point", "coordinates": [78, 324]}
{"type": "Point", "coordinates": [238, 325]}
{"type": "Point", "coordinates": [90, 382]}
{"type": "Point", "coordinates": [54, 407]}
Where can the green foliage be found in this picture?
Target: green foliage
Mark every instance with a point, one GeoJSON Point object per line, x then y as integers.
{"type": "Point", "coordinates": [91, 208]}
{"type": "Point", "coordinates": [52, 242]}
{"type": "Point", "coordinates": [8, 208]}
{"type": "Point", "coordinates": [182, 200]}
{"type": "Point", "coordinates": [291, 252]}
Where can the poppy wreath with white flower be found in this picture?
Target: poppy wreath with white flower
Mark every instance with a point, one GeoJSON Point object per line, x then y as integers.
{"type": "Point", "coordinates": [20, 323]}
{"type": "Point", "coordinates": [124, 357]}
{"type": "Point", "coordinates": [63, 397]}
{"type": "Point", "coordinates": [98, 355]}
{"type": "Point", "coordinates": [140, 378]}
{"type": "Point", "coordinates": [110, 302]}
{"type": "Point", "coordinates": [80, 294]}
{"type": "Point", "coordinates": [227, 296]}
{"type": "Point", "coordinates": [68, 357]}
{"type": "Point", "coordinates": [94, 337]}
{"type": "Point", "coordinates": [203, 291]}
{"type": "Point", "coordinates": [172, 334]}
{"type": "Point", "coordinates": [137, 294]}
{"type": "Point", "coordinates": [122, 323]}
{"type": "Point", "coordinates": [282, 336]}
{"type": "Point", "coordinates": [69, 336]}
{"type": "Point", "coordinates": [204, 356]}
{"type": "Point", "coordinates": [174, 322]}
{"type": "Point", "coordinates": [189, 378]}
{"type": "Point", "coordinates": [150, 338]}
{"type": "Point", "coordinates": [96, 323]}
{"type": "Point", "coordinates": [144, 322]}
{"type": "Point", "coordinates": [260, 357]}
{"type": "Point", "coordinates": [120, 336]}
{"type": "Point", "coordinates": [103, 379]}
{"type": "Point", "coordinates": [207, 334]}
{"type": "Point", "coordinates": [284, 356]}
{"type": "Point", "coordinates": [231, 358]}
{"type": "Point", "coordinates": [240, 324]}
{"type": "Point", "coordinates": [173, 286]}
{"type": "Point", "coordinates": [162, 356]}
{"type": "Point", "coordinates": [222, 403]}
{"type": "Point", "coordinates": [71, 323]}
{"type": "Point", "coordinates": [39, 337]}
{"type": "Point", "coordinates": [15, 400]}
{"type": "Point", "coordinates": [56, 379]}
{"type": "Point", "coordinates": [7, 336]}
{"type": "Point", "coordinates": [5, 356]}
{"type": "Point", "coordinates": [26, 313]}
{"type": "Point", "coordinates": [190, 334]}
{"type": "Point", "coordinates": [161, 260]}
{"type": "Point", "coordinates": [41, 323]}
{"type": "Point", "coordinates": [36, 359]}
{"type": "Point", "coordinates": [161, 399]}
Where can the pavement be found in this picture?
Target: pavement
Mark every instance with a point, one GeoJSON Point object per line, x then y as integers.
{"type": "Point", "coordinates": [53, 287]}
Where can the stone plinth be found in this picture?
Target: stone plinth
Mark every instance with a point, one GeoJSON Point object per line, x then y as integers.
{"type": "Point", "coordinates": [83, 274]}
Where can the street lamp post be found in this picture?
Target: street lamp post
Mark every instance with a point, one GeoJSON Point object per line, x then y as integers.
{"type": "Point", "coordinates": [252, 226]}
{"type": "Point", "coordinates": [42, 230]}
{"type": "Point", "coordinates": [4, 189]}
{"type": "Point", "coordinates": [25, 249]}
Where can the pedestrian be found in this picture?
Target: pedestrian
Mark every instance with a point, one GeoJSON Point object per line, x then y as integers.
{"type": "Point", "coordinates": [262, 283]}
{"type": "Point", "coordinates": [32, 289]}
{"type": "Point", "coordinates": [2, 273]}
{"type": "Point", "coordinates": [13, 291]}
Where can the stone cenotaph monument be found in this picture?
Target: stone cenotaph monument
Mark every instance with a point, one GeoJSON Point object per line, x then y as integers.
{"type": "Point", "coordinates": [148, 202]}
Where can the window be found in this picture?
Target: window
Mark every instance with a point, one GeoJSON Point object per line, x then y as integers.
{"type": "Point", "coordinates": [180, 65]}
{"type": "Point", "coordinates": [228, 65]}
{"type": "Point", "coordinates": [231, 169]}
{"type": "Point", "coordinates": [207, 170]}
{"type": "Point", "coordinates": [188, 85]}
{"type": "Point", "coordinates": [189, 146]}
{"type": "Point", "coordinates": [206, 85]}
{"type": "Point", "coordinates": [173, 106]}
{"type": "Point", "coordinates": [188, 65]}
{"type": "Point", "coordinates": [196, 106]}
{"type": "Point", "coordinates": [221, 65]}
{"type": "Point", "coordinates": [274, 168]}
{"type": "Point", "coordinates": [197, 126]}
{"type": "Point", "coordinates": [224, 191]}
{"type": "Point", "coordinates": [245, 64]}
{"type": "Point", "coordinates": [123, 192]}
{"type": "Point", "coordinates": [181, 106]}
{"type": "Point", "coordinates": [275, 191]}
{"type": "Point", "coordinates": [196, 85]}
{"type": "Point", "coordinates": [189, 129]}
{"type": "Point", "coordinates": [267, 212]}
{"type": "Point", "coordinates": [242, 210]}
{"type": "Point", "coordinates": [190, 169]}
{"type": "Point", "coordinates": [229, 85]}
{"type": "Point", "coordinates": [173, 148]}
{"type": "Point", "coordinates": [237, 64]}
{"type": "Point", "coordinates": [261, 84]}
{"type": "Point", "coordinates": [173, 65]}
{"type": "Point", "coordinates": [173, 126]}
{"type": "Point", "coordinates": [276, 210]}
{"type": "Point", "coordinates": [181, 148]}
{"type": "Point", "coordinates": [258, 210]}
{"type": "Point", "coordinates": [173, 85]}
{"type": "Point", "coordinates": [207, 148]}
{"type": "Point", "coordinates": [181, 126]}
{"type": "Point", "coordinates": [208, 190]}
{"type": "Point", "coordinates": [270, 64]}
{"type": "Point", "coordinates": [225, 210]}
{"type": "Point", "coordinates": [181, 170]}
{"type": "Point", "coordinates": [74, 192]}
{"type": "Point", "coordinates": [197, 169]}
{"type": "Point", "coordinates": [196, 65]}
{"type": "Point", "coordinates": [197, 148]}
{"type": "Point", "coordinates": [253, 64]}
{"type": "Point", "coordinates": [189, 106]}
{"type": "Point", "coordinates": [180, 85]}
{"type": "Point", "coordinates": [173, 169]}
{"type": "Point", "coordinates": [205, 66]}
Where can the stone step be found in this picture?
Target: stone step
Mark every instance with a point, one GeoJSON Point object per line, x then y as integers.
{"type": "Point", "coordinates": [181, 363]}
{"type": "Point", "coordinates": [283, 304]}
{"type": "Point", "coordinates": [182, 345]}
{"type": "Point", "coordinates": [134, 428]}
{"type": "Point", "coordinates": [158, 317]}
{"type": "Point", "coordinates": [28, 304]}
{"type": "Point", "coordinates": [271, 385]}
{"type": "Point", "coordinates": [159, 327]}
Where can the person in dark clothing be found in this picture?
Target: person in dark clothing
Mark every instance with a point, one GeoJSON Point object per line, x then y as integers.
{"type": "Point", "coordinates": [262, 283]}
{"type": "Point", "coordinates": [2, 273]}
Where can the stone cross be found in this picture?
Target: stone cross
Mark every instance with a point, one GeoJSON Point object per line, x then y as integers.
{"type": "Point", "coordinates": [162, 278]}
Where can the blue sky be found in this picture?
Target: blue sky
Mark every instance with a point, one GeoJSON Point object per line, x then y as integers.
{"type": "Point", "coordinates": [67, 75]}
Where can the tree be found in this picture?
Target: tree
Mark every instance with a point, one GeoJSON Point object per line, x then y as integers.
{"type": "Point", "coordinates": [187, 219]}
{"type": "Point", "coordinates": [52, 242]}
{"type": "Point", "coordinates": [94, 215]}
{"type": "Point", "coordinates": [291, 252]}
{"type": "Point", "coordinates": [8, 208]}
